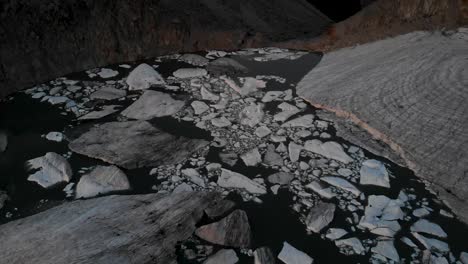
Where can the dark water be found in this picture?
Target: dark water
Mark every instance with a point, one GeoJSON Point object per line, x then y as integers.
{"type": "Point", "coordinates": [272, 221]}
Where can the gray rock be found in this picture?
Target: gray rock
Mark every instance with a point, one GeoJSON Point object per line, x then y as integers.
{"type": "Point", "coordinates": [225, 66]}
{"type": "Point", "coordinates": [194, 59]}
{"type": "Point", "coordinates": [291, 255]}
{"type": "Point", "coordinates": [264, 255]}
{"type": "Point", "coordinates": [231, 231]}
{"type": "Point", "coordinates": [53, 169]}
{"type": "Point", "coordinates": [108, 93]}
{"type": "Point", "coordinates": [102, 180]}
{"type": "Point", "coordinates": [134, 144]}
{"type": "Point", "coordinates": [3, 141]}
{"type": "Point", "coordinates": [230, 179]}
{"type": "Point", "coordinates": [153, 104]}
{"type": "Point", "coordinates": [330, 149]}
{"type": "Point", "coordinates": [143, 77]}
{"type": "Point", "coordinates": [225, 256]}
{"type": "Point", "coordinates": [106, 110]}
{"type": "Point", "coordinates": [148, 227]}
{"type": "Point", "coordinates": [281, 178]}
{"type": "Point", "coordinates": [320, 216]}
{"type": "Point", "coordinates": [252, 157]}
{"type": "Point", "coordinates": [424, 226]}
{"type": "Point", "coordinates": [186, 73]}
{"type": "Point", "coordinates": [373, 172]}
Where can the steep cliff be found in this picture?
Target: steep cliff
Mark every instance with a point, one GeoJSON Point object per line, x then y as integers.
{"type": "Point", "coordinates": [40, 40]}
{"type": "Point", "coordinates": [388, 18]}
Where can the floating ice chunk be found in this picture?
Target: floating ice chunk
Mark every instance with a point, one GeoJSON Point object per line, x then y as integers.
{"type": "Point", "coordinates": [142, 77]}
{"type": "Point", "coordinates": [54, 136]}
{"type": "Point", "coordinates": [342, 184]}
{"type": "Point", "coordinates": [330, 149]}
{"type": "Point", "coordinates": [424, 226]}
{"type": "Point", "coordinates": [291, 255]}
{"type": "Point", "coordinates": [230, 179]}
{"type": "Point", "coordinates": [373, 172]}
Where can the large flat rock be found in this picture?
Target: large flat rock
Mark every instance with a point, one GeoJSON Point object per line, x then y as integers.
{"type": "Point", "coordinates": [134, 144]}
{"type": "Point", "coordinates": [410, 92]}
{"type": "Point", "coordinates": [112, 229]}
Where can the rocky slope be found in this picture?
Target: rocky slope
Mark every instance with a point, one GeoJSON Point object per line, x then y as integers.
{"type": "Point", "coordinates": [388, 18]}
{"type": "Point", "coordinates": [42, 40]}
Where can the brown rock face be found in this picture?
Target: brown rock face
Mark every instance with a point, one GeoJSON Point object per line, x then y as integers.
{"type": "Point", "coordinates": [40, 40]}
{"type": "Point", "coordinates": [388, 18]}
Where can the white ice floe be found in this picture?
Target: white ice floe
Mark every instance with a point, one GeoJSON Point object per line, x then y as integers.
{"type": "Point", "coordinates": [386, 248]}
{"type": "Point", "coordinates": [252, 157]}
{"type": "Point", "coordinates": [52, 169]}
{"type": "Point", "coordinates": [373, 172]}
{"type": "Point", "coordinates": [185, 73]}
{"type": "Point", "coordinates": [230, 179]}
{"type": "Point", "coordinates": [306, 121]}
{"type": "Point", "coordinates": [102, 180]}
{"type": "Point", "coordinates": [353, 243]}
{"type": "Point", "coordinates": [424, 226]}
{"type": "Point", "coordinates": [291, 255]}
{"type": "Point", "coordinates": [142, 77]}
{"type": "Point", "coordinates": [55, 136]}
{"type": "Point", "coordinates": [329, 149]}
{"type": "Point", "coordinates": [342, 184]}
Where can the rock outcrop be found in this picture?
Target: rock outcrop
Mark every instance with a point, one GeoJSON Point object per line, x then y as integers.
{"type": "Point", "coordinates": [388, 18]}
{"type": "Point", "coordinates": [99, 230]}
{"type": "Point", "coordinates": [410, 93]}
{"type": "Point", "coordinates": [43, 40]}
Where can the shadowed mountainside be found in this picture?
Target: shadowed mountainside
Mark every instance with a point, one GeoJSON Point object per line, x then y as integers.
{"type": "Point", "coordinates": [42, 40]}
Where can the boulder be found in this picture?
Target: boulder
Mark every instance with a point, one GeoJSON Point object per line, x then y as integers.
{"type": "Point", "coordinates": [111, 229]}
{"type": "Point", "coordinates": [102, 180]}
{"type": "Point", "coordinates": [134, 144]}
